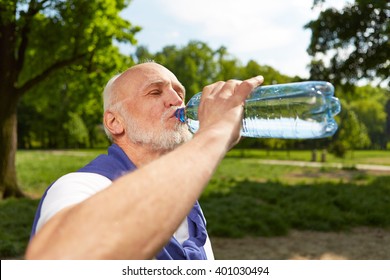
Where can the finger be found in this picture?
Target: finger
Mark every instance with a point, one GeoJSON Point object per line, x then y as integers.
{"type": "Point", "coordinates": [229, 88]}
{"type": "Point", "coordinates": [213, 88]}
{"type": "Point", "coordinates": [246, 87]}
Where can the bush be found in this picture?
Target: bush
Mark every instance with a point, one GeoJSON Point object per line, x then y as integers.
{"type": "Point", "coordinates": [272, 208]}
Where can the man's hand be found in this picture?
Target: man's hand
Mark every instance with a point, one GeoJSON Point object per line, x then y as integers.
{"type": "Point", "coordinates": [221, 106]}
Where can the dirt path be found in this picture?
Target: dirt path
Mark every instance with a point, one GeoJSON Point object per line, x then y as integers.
{"type": "Point", "coordinates": [359, 244]}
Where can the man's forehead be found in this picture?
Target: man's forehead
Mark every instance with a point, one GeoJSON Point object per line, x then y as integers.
{"type": "Point", "coordinates": [145, 74]}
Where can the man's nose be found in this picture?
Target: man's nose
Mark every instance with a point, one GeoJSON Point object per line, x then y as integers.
{"type": "Point", "coordinates": [174, 99]}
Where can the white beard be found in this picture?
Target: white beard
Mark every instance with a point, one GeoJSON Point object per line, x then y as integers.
{"type": "Point", "coordinates": [157, 137]}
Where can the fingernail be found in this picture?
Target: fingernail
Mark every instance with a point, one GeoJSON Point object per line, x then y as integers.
{"type": "Point", "coordinates": [260, 77]}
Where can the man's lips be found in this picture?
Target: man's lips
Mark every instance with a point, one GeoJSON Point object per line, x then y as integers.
{"type": "Point", "coordinates": [176, 112]}
{"type": "Point", "coordinates": [171, 113]}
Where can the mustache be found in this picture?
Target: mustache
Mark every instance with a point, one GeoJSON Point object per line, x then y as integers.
{"type": "Point", "coordinates": [170, 112]}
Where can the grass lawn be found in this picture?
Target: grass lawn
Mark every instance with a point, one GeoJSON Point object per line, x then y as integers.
{"type": "Point", "coordinates": [244, 198]}
{"type": "Point", "coordinates": [37, 169]}
{"type": "Point", "coordinates": [355, 157]}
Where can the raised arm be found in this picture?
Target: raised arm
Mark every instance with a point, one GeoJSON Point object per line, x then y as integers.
{"type": "Point", "coordinates": [137, 215]}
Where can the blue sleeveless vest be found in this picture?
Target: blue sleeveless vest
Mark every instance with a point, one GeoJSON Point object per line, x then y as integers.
{"type": "Point", "coordinates": [116, 164]}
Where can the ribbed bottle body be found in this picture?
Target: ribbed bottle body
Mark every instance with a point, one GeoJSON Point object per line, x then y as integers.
{"type": "Point", "coordinates": [301, 110]}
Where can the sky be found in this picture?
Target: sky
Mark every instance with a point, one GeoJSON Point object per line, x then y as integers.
{"type": "Point", "coordinates": [269, 32]}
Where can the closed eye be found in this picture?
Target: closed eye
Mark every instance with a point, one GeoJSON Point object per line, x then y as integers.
{"type": "Point", "coordinates": [155, 92]}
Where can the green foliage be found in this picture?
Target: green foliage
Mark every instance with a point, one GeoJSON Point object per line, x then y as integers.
{"type": "Point", "coordinates": [272, 208]}
{"type": "Point", "coordinates": [228, 66]}
{"type": "Point", "coordinates": [364, 109]}
{"type": "Point", "coordinates": [356, 39]}
{"type": "Point", "coordinates": [271, 76]}
{"type": "Point", "coordinates": [62, 30]}
{"type": "Point", "coordinates": [194, 65]}
{"type": "Point", "coordinates": [352, 133]}
{"type": "Point", "coordinates": [76, 130]}
{"type": "Point", "coordinates": [370, 109]}
{"type": "Point", "coordinates": [62, 54]}
{"type": "Point", "coordinates": [70, 93]}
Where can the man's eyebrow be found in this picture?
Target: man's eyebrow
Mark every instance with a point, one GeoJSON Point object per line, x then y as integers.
{"type": "Point", "coordinates": [155, 83]}
{"type": "Point", "coordinates": [164, 83]}
{"type": "Point", "coordinates": [183, 89]}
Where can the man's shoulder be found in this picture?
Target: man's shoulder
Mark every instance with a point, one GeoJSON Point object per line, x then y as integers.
{"type": "Point", "coordinates": [112, 166]}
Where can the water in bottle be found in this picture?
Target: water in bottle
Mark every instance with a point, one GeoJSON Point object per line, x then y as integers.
{"type": "Point", "coordinates": [300, 110]}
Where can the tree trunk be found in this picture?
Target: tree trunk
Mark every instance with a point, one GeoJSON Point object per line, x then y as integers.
{"type": "Point", "coordinates": [8, 145]}
{"type": "Point", "coordinates": [387, 129]}
{"type": "Point", "coordinates": [8, 103]}
{"type": "Point", "coordinates": [314, 155]}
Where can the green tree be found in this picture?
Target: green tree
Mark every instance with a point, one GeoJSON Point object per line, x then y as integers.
{"type": "Point", "coordinates": [271, 75]}
{"type": "Point", "coordinates": [228, 66]}
{"type": "Point", "coordinates": [142, 54]}
{"type": "Point", "coordinates": [369, 106]}
{"type": "Point", "coordinates": [38, 38]}
{"type": "Point", "coordinates": [354, 39]}
{"type": "Point", "coordinates": [194, 65]}
{"type": "Point", "coordinates": [43, 112]}
{"type": "Point", "coordinates": [352, 133]}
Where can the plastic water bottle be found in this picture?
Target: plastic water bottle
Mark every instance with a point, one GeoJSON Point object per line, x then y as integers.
{"type": "Point", "coordinates": [300, 110]}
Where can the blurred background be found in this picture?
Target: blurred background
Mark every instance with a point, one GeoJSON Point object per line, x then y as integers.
{"type": "Point", "coordinates": [270, 198]}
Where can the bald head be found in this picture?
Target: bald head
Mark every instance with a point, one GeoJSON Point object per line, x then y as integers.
{"type": "Point", "coordinates": [135, 78]}
{"type": "Point", "coordinates": [145, 93]}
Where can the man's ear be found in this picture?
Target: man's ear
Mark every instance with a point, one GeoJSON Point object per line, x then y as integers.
{"type": "Point", "coordinates": [113, 123]}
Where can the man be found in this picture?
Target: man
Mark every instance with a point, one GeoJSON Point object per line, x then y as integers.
{"type": "Point", "coordinates": [105, 211]}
